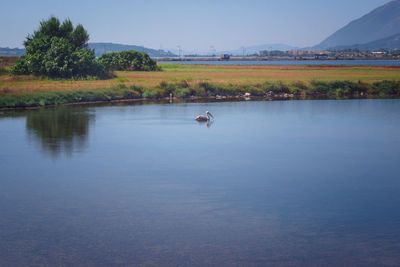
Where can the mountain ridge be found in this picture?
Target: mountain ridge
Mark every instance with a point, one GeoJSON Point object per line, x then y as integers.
{"type": "Point", "coordinates": [257, 48]}
{"type": "Point", "coordinates": [380, 23]}
{"type": "Point", "coordinates": [388, 43]}
{"type": "Point", "coordinates": [248, 50]}
{"type": "Point", "coordinates": [16, 52]}
{"type": "Point", "coordinates": [102, 48]}
{"type": "Point", "coordinates": [99, 49]}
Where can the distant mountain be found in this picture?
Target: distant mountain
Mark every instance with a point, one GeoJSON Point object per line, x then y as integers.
{"type": "Point", "coordinates": [257, 48]}
{"type": "Point", "coordinates": [99, 49]}
{"type": "Point", "coordinates": [389, 43]}
{"type": "Point", "coordinates": [381, 23]}
{"type": "Point", "coordinates": [102, 48]}
{"type": "Point", "coordinates": [237, 52]}
{"type": "Point", "coordinates": [11, 52]}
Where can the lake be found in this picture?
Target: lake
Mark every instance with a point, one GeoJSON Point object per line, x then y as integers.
{"type": "Point", "coordinates": [299, 183]}
{"type": "Point", "coordinates": [292, 62]}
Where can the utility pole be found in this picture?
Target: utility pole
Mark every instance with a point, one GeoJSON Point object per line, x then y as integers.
{"type": "Point", "coordinates": [180, 50]}
{"type": "Point", "coordinates": [213, 51]}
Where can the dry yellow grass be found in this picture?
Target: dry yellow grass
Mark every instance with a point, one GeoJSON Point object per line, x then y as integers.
{"type": "Point", "coordinates": [250, 75]}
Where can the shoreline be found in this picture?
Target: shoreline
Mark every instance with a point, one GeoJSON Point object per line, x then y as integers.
{"type": "Point", "coordinates": [170, 92]}
{"type": "Point", "coordinates": [184, 82]}
{"type": "Point", "coordinates": [198, 99]}
{"type": "Point", "coordinates": [238, 59]}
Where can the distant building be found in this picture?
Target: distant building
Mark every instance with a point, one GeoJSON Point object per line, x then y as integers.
{"type": "Point", "coordinates": [225, 57]}
{"type": "Point", "coordinates": [321, 56]}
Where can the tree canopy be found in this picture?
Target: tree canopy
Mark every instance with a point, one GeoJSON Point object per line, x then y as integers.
{"type": "Point", "coordinates": [128, 60]}
{"type": "Point", "coordinates": [59, 50]}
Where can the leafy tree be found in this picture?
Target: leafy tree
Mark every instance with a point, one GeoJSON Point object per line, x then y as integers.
{"type": "Point", "coordinates": [59, 51]}
{"type": "Point", "coordinates": [128, 60]}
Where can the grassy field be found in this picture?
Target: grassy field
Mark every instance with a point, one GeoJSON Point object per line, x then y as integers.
{"type": "Point", "coordinates": [200, 80]}
{"type": "Point", "coordinates": [238, 75]}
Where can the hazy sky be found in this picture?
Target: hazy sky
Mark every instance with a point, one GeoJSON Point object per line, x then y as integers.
{"type": "Point", "coordinates": [194, 25]}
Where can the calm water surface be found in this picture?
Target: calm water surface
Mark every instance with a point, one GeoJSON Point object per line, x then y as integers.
{"type": "Point", "coordinates": [294, 62]}
{"type": "Point", "coordinates": [303, 183]}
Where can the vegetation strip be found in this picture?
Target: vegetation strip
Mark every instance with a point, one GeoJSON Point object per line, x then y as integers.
{"type": "Point", "coordinates": [185, 90]}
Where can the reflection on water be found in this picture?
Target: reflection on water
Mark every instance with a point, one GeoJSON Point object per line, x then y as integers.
{"type": "Point", "coordinates": [208, 123]}
{"type": "Point", "coordinates": [281, 183]}
{"type": "Point", "coordinates": [63, 129]}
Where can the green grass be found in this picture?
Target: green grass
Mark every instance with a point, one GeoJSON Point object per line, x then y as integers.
{"type": "Point", "coordinates": [171, 66]}
{"type": "Point", "coordinates": [202, 89]}
{"type": "Point", "coordinates": [185, 81]}
{"type": "Point", "coordinates": [194, 74]}
{"type": "Point", "coordinates": [77, 96]}
{"type": "Point", "coordinates": [3, 71]}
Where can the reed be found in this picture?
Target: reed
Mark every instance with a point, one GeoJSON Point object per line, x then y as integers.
{"type": "Point", "coordinates": [183, 90]}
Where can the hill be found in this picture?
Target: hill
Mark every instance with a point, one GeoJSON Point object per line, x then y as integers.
{"type": "Point", "coordinates": [99, 48]}
{"type": "Point", "coordinates": [257, 48]}
{"type": "Point", "coordinates": [381, 23]}
{"type": "Point", "coordinates": [102, 48]}
{"type": "Point", "coordinates": [248, 50]}
{"type": "Point", "coordinates": [16, 52]}
{"type": "Point", "coordinates": [389, 43]}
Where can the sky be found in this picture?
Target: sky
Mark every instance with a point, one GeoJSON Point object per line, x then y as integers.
{"type": "Point", "coordinates": [192, 25]}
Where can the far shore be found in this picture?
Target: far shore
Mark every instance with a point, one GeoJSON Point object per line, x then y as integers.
{"type": "Point", "coordinates": [205, 82]}
{"type": "Point", "coordinates": [217, 59]}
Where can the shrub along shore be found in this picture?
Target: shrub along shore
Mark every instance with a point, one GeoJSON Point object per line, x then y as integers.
{"type": "Point", "coordinates": [185, 90]}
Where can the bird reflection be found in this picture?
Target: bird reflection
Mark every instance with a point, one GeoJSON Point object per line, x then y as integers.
{"type": "Point", "coordinates": [207, 123]}
{"type": "Point", "coordinates": [60, 130]}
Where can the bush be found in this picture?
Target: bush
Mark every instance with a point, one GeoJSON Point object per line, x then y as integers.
{"type": "Point", "coordinates": [198, 91]}
{"type": "Point", "coordinates": [151, 94]}
{"type": "Point", "coordinates": [277, 88]}
{"type": "Point", "coordinates": [319, 88]}
{"type": "Point", "coordinates": [167, 88]}
{"type": "Point", "coordinates": [298, 87]}
{"type": "Point", "coordinates": [121, 91]}
{"type": "Point", "coordinates": [182, 92]}
{"type": "Point", "coordinates": [208, 88]}
{"type": "Point", "coordinates": [136, 88]}
{"type": "Point", "coordinates": [386, 88]}
{"type": "Point", "coordinates": [128, 61]}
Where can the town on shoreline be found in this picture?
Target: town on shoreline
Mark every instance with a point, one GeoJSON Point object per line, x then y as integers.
{"type": "Point", "coordinates": [266, 55]}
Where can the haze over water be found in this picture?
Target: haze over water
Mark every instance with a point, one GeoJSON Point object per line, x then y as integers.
{"type": "Point", "coordinates": [292, 62]}
{"type": "Point", "coordinates": [278, 183]}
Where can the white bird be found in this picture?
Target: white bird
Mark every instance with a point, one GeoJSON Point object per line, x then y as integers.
{"type": "Point", "coordinates": [205, 118]}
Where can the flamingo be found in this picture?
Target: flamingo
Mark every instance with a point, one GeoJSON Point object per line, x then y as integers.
{"type": "Point", "coordinates": [205, 118]}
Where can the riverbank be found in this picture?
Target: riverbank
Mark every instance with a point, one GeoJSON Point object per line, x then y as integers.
{"type": "Point", "coordinates": [270, 59]}
{"type": "Point", "coordinates": [210, 82]}
{"type": "Point", "coordinates": [204, 91]}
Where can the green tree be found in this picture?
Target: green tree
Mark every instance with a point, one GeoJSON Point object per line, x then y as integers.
{"type": "Point", "coordinates": [59, 51]}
